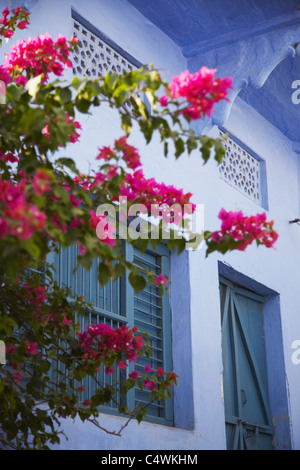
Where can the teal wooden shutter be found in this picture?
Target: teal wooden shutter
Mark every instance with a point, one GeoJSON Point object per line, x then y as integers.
{"type": "Point", "coordinates": [107, 308]}
{"type": "Point", "coordinates": [247, 415]}
{"type": "Point", "coordinates": [117, 304]}
{"type": "Point", "coordinates": [151, 314]}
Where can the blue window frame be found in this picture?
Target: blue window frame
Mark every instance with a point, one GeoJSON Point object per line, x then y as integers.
{"type": "Point", "coordinates": [116, 304]}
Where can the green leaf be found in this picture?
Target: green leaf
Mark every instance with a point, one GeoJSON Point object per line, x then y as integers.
{"type": "Point", "coordinates": [207, 143]}
{"type": "Point", "coordinates": [32, 119]}
{"type": "Point", "coordinates": [82, 103]}
{"type": "Point", "coordinates": [219, 150]}
{"type": "Point", "coordinates": [69, 162]}
{"type": "Point", "coordinates": [191, 144]}
{"type": "Point", "coordinates": [14, 93]}
{"type": "Point", "coordinates": [98, 399]}
{"type": "Point", "coordinates": [166, 149]}
{"type": "Point", "coordinates": [111, 80]}
{"type": "Point", "coordinates": [65, 94]}
{"type": "Point", "coordinates": [76, 83]}
{"type": "Point", "coordinates": [126, 123]}
{"type": "Point", "coordinates": [178, 244]}
{"type": "Point", "coordinates": [141, 107]}
{"type": "Point", "coordinates": [141, 414]}
{"type": "Point", "coordinates": [104, 274]}
{"type": "Point", "coordinates": [137, 281]}
{"type": "Point", "coordinates": [142, 244]}
{"type": "Point", "coordinates": [179, 147]}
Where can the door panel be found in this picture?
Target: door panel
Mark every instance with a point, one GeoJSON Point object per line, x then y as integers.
{"type": "Point", "coordinates": [248, 420]}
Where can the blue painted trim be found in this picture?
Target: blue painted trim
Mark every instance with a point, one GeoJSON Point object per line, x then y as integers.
{"type": "Point", "coordinates": [77, 17]}
{"type": "Point", "coordinates": [180, 297]}
{"type": "Point", "coordinates": [264, 27]}
{"type": "Point", "coordinates": [263, 167]}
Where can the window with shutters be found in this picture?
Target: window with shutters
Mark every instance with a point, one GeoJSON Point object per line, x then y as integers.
{"type": "Point", "coordinates": [117, 304]}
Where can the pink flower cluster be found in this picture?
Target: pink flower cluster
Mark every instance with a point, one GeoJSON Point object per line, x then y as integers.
{"type": "Point", "coordinates": [41, 182]}
{"type": "Point", "coordinates": [8, 157]}
{"type": "Point", "coordinates": [129, 153]}
{"type": "Point", "coordinates": [30, 348]}
{"type": "Point", "coordinates": [135, 186]}
{"type": "Point", "coordinates": [151, 382]}
{"type": "Point", "coordinates": [149, 191]}
{"type": "Point", "coordinates": [19, 18]}
{"type": "Point", "coordinates": [200, 91]}
{"type": "Point", "coordinates": [104, 343]}
{"type": "Point", "coordinates": [18, 217]}
{"type": "Point", "coordinates": [37, 56]}
{"type": "Point", "coordinates": [4, 75]}
{"type": "Point", "coordinates": [245, 229]}
{"type": "Point", "coordinates": [37, 297]}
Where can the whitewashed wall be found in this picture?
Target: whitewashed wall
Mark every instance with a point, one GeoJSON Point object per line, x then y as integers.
{"type": "Point", "coordinates": [278, 269]}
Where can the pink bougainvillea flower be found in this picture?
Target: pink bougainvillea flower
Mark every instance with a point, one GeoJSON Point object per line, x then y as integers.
{"type": "Point", "coordinates": [22, 218]}
{"type": "Point", "coordinates": [4, 75]}
{"type": "Point", "coordinates": [23, 24]}
{"type": "Point", "coordinates": [109, 370]}
{"type": "Point", "coordinates": [41, 182]}
{"type": "Point", "coordinates": [199, 91]}
{"type": "Point", "coordinates": [17, 377]}
{"type": "Point", "coordinates": [122, 365]}
{"type": "Point", "coordinates": [105, 153]}
{"type": "Point", "coordinates": [161, 280]}
{"type": "Point", "coordinates": [149, 192]}
{"type": "Point", "coordinates": [134, 375]}
{"type": "Point", "coordinates": [106, 231]}
{"type": "Point", "coordinates": [38, 56]}
{"type": "Point", "coordinates": [9, 157]}
{"type": "Point", "coordinates": [82, 249]}
{"type": "Point", "coordinates": [31, 348]}
{"type": "Point", "coordinates": [10, 349]}
{"type": "Point", "coordinates": [150, 384]}
{"type": "Point", "coordinates": [164, 100]}
{"type": "Point", "coordinates": [172, 376]}
{"type": "Point", "coordinates": [129, 153]}
{"type": "Point", "coordinates": [147, 368]}
{"type": "Point", "coordinates": [8, 33]}
{"type": "Point", "coordinates": [87, 403]}
{"type": "Point", "coordinates": [160, 372]}
{"type": "Point", "coordinates": [101, 340]}
{"type": "Point", "coordinates": [244, 230]}
{"type": "Point", "coordinates": [66, 321]}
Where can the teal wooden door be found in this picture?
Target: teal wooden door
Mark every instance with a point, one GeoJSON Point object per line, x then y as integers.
{"type": "Point", "coordinates": [247, 413]}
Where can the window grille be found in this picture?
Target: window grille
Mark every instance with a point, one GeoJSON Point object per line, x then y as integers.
{"type": "Point", "coordinates": [97, 54]}
{"type": "Point", "coordinates": [241, 169]}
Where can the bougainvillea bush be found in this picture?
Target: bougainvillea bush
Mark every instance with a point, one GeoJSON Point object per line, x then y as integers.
{"type": "Point", "coordinates": [46, 204]}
